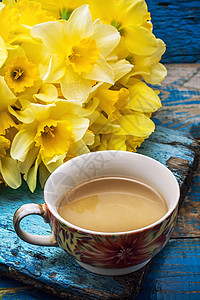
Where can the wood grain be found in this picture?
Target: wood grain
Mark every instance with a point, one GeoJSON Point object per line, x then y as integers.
{"type": "Point", "coordinates": [188, 222]}
{"type": "Point", "coordinates": [177, 22]}
{"type": "Point", "coordinates": [51, 268]}
{"type": "Point", "coordinates": [174, 273]}
{"type": "Point", "coordinates": [180, 111]}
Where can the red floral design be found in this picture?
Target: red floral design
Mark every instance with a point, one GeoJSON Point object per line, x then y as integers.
{"type": "Point", "coordinates": [113, 251]}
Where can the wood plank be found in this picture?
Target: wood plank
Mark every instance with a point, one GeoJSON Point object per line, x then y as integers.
{"type": "Point", "coordinates": [178, 157]}
{"type": "Point", "coordinates": [181, 106]}
{"type": "Point", "coordinates": [174, 273]}
{"type": "Point", "coordinates": [181, 279]}
{"type": "Point", "coordinates": [188, 221]}
{"type": "Point", "coordinates": [51, 268]}
{"type": "Point", "coordinates": [178, 24]}
{"type": "Point", "coordinates": [188, 120]}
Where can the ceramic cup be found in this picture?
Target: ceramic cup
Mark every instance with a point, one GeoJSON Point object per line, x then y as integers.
{"type": "Point", "coordinates": [104, 253]}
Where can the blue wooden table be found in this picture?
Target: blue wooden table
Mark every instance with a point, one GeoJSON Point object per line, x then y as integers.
{"type": "Point", "coordinates": [175, 272]}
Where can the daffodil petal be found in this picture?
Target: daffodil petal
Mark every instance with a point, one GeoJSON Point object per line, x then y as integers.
{"type": "Point", "coordinates": [121, 68]}
{"type": "Point", "coordinates": [103, 145]}
{"type": "Point", "coordinates": [101, 72]}
{"type": "Point", "coordinates": [51, 34]}
{"type": "Point", "coordinates": [53, 163]}
{"type": "Point", "coordinates": [62, 109]}
{"type": "Point", "coordinates": [25, 166]}
{"type": "Point", "coordinates": [80, 24]}
{"type": "Point", "coordinates": [43, 174]}
{"type": "Point", "coordinates": [132, 12]}
{"type": "Point", "coordinates": [140, 41]}
{"type": "Point", "coordinates": [136, 124]}
{"type": "Point", "coordinates": [41, 112]}
{"type": "Point", "coordinates": [25, 116]}
{"type": "Point", "coordinates": [103, 126]}
{"type": "Point", "coordinates": [10, 172]}
{"type": "Point", "coordinates": [117, 142]}
{"type": "Point", "coordinates": [143, 98]}
{"type": "Point", "coordinates": [88, 138]}
{"type": "Point", "coordinates": [75, 87]}
{"type": "Point", "coordinates": [7, 97]}
{"type": "Point", "coordinates": [22, 142]}
{"type": "Point", "coordinates": [6, 121]}
{"type": "Point", "coordinates": [3, 52]}
{"type": "Point", "coordinates": [149, 59]}
{"type": "Point", "coordinates": [139, 70]}
{"type": "Point", "coordinates": [90, 108]}
{"type": "Point", "coordinates": [156, 74]}
{"type": "Point", "coordinates": [13, 53]}
{"type": "Point", "coordinates": [79, 126]}
{"type": "Point", "coordinates": [107, 100]}
{"type": "Point", "coordinates": [105, 10]}
{"type": "Point", "coordinates": [56, 69]}
{"type": "Point", "coordinates": [47, 93]}
{"type": "Point", "coordinates": [107, 38]}
{"type": "Point", "coordinates": [31, 176]}
{"type": "Point", "coordinates": [79, 148]}
{"type": "Point", "coordinates": [133, 142]}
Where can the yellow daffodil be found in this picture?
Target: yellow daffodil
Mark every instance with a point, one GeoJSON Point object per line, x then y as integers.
{"type": "Point", "coordinates": [3, 52]}
{"type": "Point", "coordinates": [128, 17]}
{"type": "Point", "coordinates": [31, 13]}
{"type": "Point", "coordinates": [125, 133]}
{"type": "Point", "coordinates": [7, 99]}
{"type": "Point", "coordinates": [26, 13]}
{"type": "Point", "coordinates": [74, 78]}
{"type": "Point", "coordinates": [78, 48]}
{"type": "Point", "coordinates": [111, 100]}
{"type": "Point", "coordinates": [21, 74]}
{"type": "Point", "coordinates": [61, 9]}
{"type": "Point", "coordinates": [9, 20]}
{"type": "Point", "coordinates": [148, 66]}
{"type": "Point", "coordinates": [25, 67]}
{"type": "Point", "coordinates": [9, 170]}
{"type": "Point", "coordinates": [47, 134]}
{"type": "Point", "coordinates": [142, 98]}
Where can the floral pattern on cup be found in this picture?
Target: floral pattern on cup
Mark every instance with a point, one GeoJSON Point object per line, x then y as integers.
{"type": "Point", "coordinates": [113, 251]}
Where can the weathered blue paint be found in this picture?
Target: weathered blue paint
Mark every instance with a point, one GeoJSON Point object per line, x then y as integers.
{"type": "Point", "coordinates": [52, 266]}
{"type": "Point", "coordinates": [177, 22]}
{"type": "Point", "coordinates": [181, 100]}
{"type": "Point", "coordinates": [12, 289]}
{"type": "Point", "coordinates": [174, 273]}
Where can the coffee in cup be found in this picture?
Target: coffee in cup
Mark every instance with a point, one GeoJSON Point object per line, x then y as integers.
{"type": "Point", "coordinates": [112, 204]}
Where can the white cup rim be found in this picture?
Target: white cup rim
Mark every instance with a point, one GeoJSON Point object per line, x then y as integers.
{"type": "Point", "coordinates": [92, 232]}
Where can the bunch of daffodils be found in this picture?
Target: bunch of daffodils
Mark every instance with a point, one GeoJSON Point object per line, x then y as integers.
{"type": "Point", "coordinates": [75, 77]}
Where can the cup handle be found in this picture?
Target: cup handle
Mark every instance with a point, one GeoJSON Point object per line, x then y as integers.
{"type": "Point", "coordinates": [33, 209]}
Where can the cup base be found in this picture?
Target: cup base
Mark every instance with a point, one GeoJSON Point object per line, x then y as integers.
{"type": "Point", "coordinates": [112, 272]}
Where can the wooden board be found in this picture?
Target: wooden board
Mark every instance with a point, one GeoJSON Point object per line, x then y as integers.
{"type": "Point", "coordinates": [180, 94]}
{"type": "Point", "coordinates": [54, 270]}
{"type": "Point", "coordinates": [177, 22]}
{"type": "Point", "coordinates": [175, 273]}
{"type": "Point", "coordinates": [177, 280]}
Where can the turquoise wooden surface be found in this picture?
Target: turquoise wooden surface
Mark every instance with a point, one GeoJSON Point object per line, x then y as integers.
{"type": "Point", "coordinates": [175, 273]}
{"type": "Point", "coordinates": [52, 267]}
{"type": "Point", "coordinates": [177, 23]}
{"type": "Point", "coordinates": [150, 291]}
